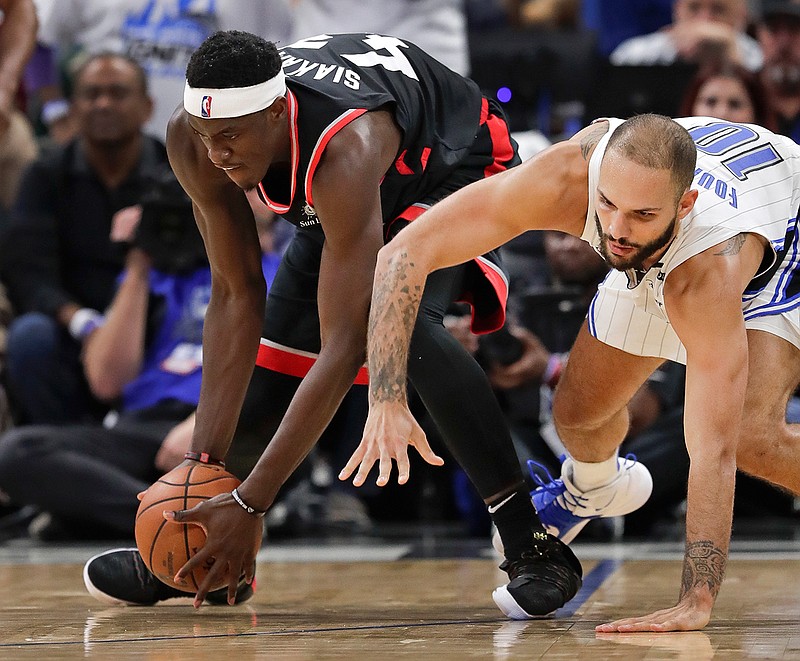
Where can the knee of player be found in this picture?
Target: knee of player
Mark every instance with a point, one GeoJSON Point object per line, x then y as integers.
{"type": "Point", "coordinates": [760, 446]}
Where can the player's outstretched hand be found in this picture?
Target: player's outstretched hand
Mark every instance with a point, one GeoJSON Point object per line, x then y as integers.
{"type": "Point", "coordinates": [390, 429]}
{"type": "Point", "coordinates": [233, 540]}
{"type": "Point", "coordinates": [688, 615]}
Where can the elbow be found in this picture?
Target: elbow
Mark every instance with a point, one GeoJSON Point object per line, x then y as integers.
{"type": "Point", "coordinates": [347, 351]}
{"type": "Point", "coordinates": [108, 376]}
{"type": "Point", "coordinates": [104, 387]}
{"type": "Point", "coordinates": [388, 254]}
{"type": "Point", "coordinates": [717, 456]}
{"type": "Point", "coordinates": [400, 250]}
{"type": "Point", "coordinates": [248, 295]}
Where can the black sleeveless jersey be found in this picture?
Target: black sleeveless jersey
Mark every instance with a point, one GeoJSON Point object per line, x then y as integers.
{"type": "Point", "coordinates": [334, 79]}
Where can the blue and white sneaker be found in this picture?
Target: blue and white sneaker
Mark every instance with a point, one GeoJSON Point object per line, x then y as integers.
{"type": "Point", "coordinates": [564, 510]}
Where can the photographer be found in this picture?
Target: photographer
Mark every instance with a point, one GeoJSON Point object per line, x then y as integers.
{"type": "Point", "coordinates": [144, 358]}
{"type": "Point", "coordinates": [56, 259]}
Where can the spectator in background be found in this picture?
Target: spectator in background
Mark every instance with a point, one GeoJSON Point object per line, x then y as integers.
{"type": "Point", "coordinates": [56, 257]}
{"type": "Point", "coordinates": [615, 21]}
{"type": "Point", "coordinates": [702, 32]}
{"type": "Point", "coordinates": [148, 360]}
{"type": "Point", "coordinates": [729, 92]}
{"type": "Point", "coordinates": [545, 13]}
{"type": "Point", "coordinates": [17, 145]}
{"type": "Point", "coordinates": [159, 34]}
{"type": "Point", "coordinates": [438, 27]}
{"type": "Point", "coordinates": [779, 36]}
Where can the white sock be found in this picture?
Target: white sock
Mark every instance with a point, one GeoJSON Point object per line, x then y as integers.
{"type": "Point", "coordinates": [588, 475]}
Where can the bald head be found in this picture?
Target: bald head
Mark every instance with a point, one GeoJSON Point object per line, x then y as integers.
{"type": "Point", "coordinates": [657, 142]}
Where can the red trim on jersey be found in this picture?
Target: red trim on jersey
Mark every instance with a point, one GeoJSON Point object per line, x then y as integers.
{"type": "Point", "coordinates": [400, 164]}
{"type": "Point", "coordinates": [331, 130]}
{"type": "Point", "coordinates": [484, 110]}
{"type": "Point", "coordinates": [286, 361]}
{"type": "Point", "coordinates": [481, 325]}
{"type": "Point", "coordinates": [412, 213]}
{"type": "Point", "coordinates": [424, 157]}
{"type": "Point", "coordinates": [502, 150]}
{"type": "Point", "coordinates": [291, 103]}
{"type": "Point", "coordinates": [492, 272]}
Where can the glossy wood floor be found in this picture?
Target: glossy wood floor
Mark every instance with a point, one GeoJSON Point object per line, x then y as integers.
{"type": "Point", "coordinates": [379, 602]}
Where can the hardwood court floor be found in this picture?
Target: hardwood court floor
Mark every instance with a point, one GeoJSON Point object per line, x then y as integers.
{"type": "Point", "coordinates": [380, 602]}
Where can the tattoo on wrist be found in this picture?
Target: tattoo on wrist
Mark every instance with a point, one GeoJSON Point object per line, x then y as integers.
{"type": "Point", "coordinates": [703, 566]}
{"type": "Point", "coordinates": [398, 303]}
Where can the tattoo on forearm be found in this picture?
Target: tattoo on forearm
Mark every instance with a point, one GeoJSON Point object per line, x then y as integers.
{"type": "Point", "coordinates": [395, 303]}
{"type": "Point", "coordinates": [733, 245]}
{"type": "Point", "coordinates": [703, 565]}
{"type": "Point", "coordinates": [591, 139]}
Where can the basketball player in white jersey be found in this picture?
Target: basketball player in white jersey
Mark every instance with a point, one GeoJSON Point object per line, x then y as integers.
{"type": "Point", "coordinates": [698, 218]}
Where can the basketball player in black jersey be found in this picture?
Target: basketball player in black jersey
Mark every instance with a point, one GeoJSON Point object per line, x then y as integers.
{"type": "Point", "coordinates": [349, 137]}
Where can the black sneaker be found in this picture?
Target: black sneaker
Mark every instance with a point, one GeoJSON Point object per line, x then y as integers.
{"type": "Point", "coordinates": [120, 577]}
{"type": "Point", "coordinates": [543, 579]}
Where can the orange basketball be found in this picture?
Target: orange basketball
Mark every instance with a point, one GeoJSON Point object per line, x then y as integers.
{"type": "Point", "coordinates": [165, 545]}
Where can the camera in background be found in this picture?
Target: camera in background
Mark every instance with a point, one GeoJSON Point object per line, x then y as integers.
{"type": "Point", "coordinates": [500, 347]}
{"type": "Point", "coordinates": [167, 231]}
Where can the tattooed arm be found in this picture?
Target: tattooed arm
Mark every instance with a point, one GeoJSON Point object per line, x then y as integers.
{"type": "Point", "coordinates": [549, 191]}
{"type": "Point", "coordinates": [703, 301]}
{"type": "Point", "coordinates": [390, 427]}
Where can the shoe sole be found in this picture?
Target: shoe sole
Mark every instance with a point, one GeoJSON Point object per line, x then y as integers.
{"type": "Point", "coordinates": [506, 603]}
{"type": "Point", "coordinates": [96, 592]}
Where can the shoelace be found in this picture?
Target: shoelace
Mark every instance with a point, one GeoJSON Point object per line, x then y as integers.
{"type": "Point", "coordinates": [553, 486]}
{"type": "Point", "coordinates": [556, 486]}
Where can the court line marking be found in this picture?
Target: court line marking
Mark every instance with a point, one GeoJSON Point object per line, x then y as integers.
{"type": "Point", "coordinates": [592, 581]}
{"type": "Point", "coordinates": [283, 632]}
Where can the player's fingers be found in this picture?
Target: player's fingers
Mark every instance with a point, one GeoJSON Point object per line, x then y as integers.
{"type": "Point", "coordinates": [141, 494]}
{"type": "Point", "coordinates": [182, 516]}
{"type": "Point", "coordinates": [250, 573]}
{"type": "Point", "coordinates": [351, 465]}
{"type": "Point", "coordinates": [233, 586]}
{"type": "Point", "coordinates": [403, 465]}
{"type": "Point", "coordinates": [364, 468]}
{"type": "Point", "coordinates": [424, 449]}
{"type": "Point", "coordinates": [384, 470]}
{"type": "Point", "coordinates": [216, 575]}
{"type": "Point", "coordinates": [197, 560]}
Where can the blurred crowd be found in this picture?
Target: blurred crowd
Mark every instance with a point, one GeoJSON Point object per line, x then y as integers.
{"type": "Point", "coordinates": [104, 283]}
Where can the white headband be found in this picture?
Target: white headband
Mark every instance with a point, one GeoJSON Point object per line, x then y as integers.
{"type": "Point", "coordinates": [213, 103]}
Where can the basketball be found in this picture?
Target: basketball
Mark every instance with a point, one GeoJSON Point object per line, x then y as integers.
{"type": "Point", "coordinates": [166, 546]}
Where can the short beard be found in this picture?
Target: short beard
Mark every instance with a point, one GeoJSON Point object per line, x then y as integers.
{"type": "Point", "coordinates": [643, 252]}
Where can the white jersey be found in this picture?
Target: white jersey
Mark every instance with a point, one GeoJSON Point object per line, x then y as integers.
{"type": "Point", "coordinates": [748, 180]}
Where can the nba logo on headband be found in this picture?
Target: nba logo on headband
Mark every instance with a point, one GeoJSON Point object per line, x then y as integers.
{"type": "Point", "coordinates": [233, 101]}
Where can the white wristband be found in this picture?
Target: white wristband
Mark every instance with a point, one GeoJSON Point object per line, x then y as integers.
{"type": "Point", "coordinates": [55, 110]}
{"type": "Point", "coordinates": [83, 322]}
{"type": "Point", "coordinates": [245, 506]}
